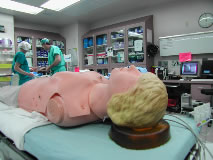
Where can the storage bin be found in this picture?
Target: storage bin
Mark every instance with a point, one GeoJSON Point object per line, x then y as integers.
{"type": "Point", "coordinates": [85, 42]}
{"type": "Point", "coordinates": [90, 42]}
{"type": "Point", "coordinates": [100, 61]}
{"type": "Point", "coordinates": [99, 41]}
{"type": "Point", "coordinates": [172, 102]}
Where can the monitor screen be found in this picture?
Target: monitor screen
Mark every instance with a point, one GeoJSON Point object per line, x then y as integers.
{"type": "Point", "coordinates": [207, 67]}
{"type": "Point", "coordinates": [189, 68]}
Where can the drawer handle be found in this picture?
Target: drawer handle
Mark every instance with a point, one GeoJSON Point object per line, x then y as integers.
{"type": "Point", "coordinates": [171, 86]}
{"type": "Point", "coordinates": [200, 87]}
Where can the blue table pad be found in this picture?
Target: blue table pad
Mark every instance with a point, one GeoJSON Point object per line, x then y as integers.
{"type": "Point", "coordinates": [92, 142]}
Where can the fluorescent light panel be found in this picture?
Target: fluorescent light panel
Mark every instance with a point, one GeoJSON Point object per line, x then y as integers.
{"type": "Point", "coordinates": [58, 5]}
{"type": "Point", "coordinates": [16, 6]}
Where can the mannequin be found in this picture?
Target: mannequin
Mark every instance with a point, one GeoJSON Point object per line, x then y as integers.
{"type": "Point", "coordinates": [63, 97]}
{"type": "Point", "coordinates": [73, 98]}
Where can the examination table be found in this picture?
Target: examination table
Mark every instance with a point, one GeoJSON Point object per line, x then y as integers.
{"type": "Point", "coordinates": [91, 142]}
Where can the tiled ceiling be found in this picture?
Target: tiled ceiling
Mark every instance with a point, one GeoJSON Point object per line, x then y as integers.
{"type": "Point", "coordinates": [86, 11]}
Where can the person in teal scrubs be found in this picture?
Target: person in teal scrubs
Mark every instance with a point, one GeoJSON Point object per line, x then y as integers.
{"type": "Point", "coordinates": [55, 57]}
{"type": "Point", "coordinates": [20, 64]}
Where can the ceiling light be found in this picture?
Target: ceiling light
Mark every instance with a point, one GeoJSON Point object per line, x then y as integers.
{"type": "Point", "coordinates": [58, 5]}
{"type": "Point", "coordinates": [16, 6]}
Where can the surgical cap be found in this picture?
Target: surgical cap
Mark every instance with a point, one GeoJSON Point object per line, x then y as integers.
{"type": "Point", "coordinates": [44, 41]}
{"type": "Point", "coordinates": [24, 45]}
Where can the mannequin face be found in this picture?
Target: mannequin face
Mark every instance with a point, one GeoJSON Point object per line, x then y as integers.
{"type": "Point", "coordinates": [122, 79]}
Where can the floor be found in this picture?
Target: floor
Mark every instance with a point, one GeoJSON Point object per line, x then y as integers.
{"type": "Point", "coordinates": [206, 136]}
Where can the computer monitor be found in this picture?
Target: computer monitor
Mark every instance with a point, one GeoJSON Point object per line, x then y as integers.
{"type": "Point", "coordinates": [207, 69]}
{"type": "Point", "coordinates": [189, 69]}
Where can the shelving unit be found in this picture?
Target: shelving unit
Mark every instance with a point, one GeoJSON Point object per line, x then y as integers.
{"type": "Point", "coordinates": [117, 43]}
{"type": "Point", "coordinates": [60, 44]}
{"type": "Point", "coordinates": [6, 58]}
{"type": "Point", "coordinates": [42, 55]}
{"type": "Point", "coordinates": [88, 51]}
{"type": "Point", "coordinates": [103, 71]}
{"type": "Point", "coordinates": [100, 52]}
{"type": "Point", "coordinates": [6, 47]}
{"type": "Point", "coordinates": [135, 45]}
{"type": "Point", "coordinates": [127, 40]}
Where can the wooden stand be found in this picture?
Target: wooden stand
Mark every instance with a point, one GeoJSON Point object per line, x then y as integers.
{"type": "Point", "coordinates": [144, 138]}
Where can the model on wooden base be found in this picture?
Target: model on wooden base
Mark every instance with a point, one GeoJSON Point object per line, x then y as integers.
{"type": "Point", "coordinates": [129, 98]}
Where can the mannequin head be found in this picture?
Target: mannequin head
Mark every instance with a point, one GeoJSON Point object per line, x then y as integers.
{"type": "Point", "coordinates": [142, 105]}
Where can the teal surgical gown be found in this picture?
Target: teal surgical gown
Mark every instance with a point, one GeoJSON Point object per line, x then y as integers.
{"type": "Point", "coordinates": [20, 58]}
{"type": "Point", "coordinates": [54, 50]}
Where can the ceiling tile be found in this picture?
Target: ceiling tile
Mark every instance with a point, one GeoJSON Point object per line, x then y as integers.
{"type": "Point", "coordinates": [86, 11]}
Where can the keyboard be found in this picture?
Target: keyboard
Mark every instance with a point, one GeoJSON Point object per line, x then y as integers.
{"type": "Point", "coordinates": [202, 80]}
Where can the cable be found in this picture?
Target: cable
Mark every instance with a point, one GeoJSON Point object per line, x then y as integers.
{"type": "Point", "coordinates": [202, 144]}
{"type": "Point", "coordinates": [186, 128]}
{"type": "Point", "coordinates": [189, 128]}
